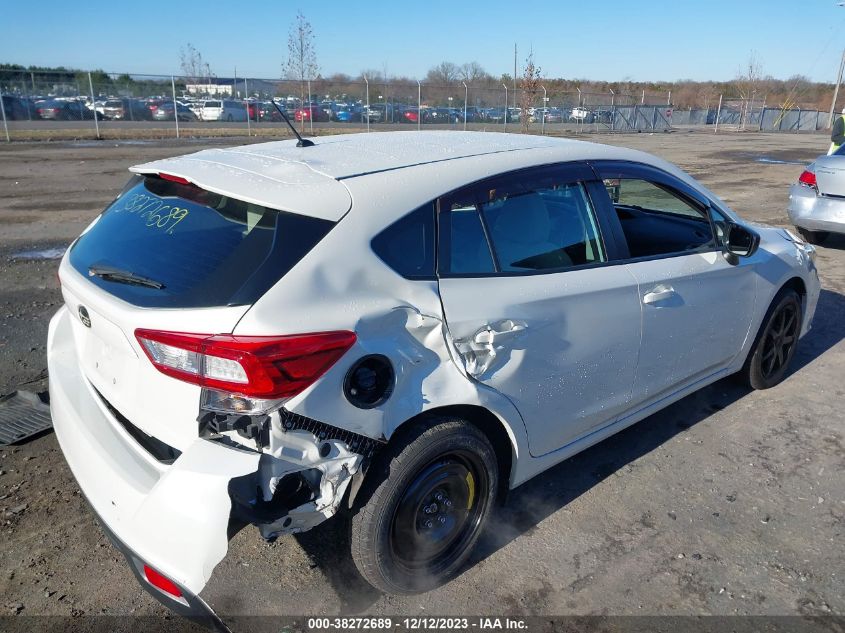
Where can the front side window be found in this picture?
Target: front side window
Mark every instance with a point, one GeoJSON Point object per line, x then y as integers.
{"type": "Point", "coordinates": [657, 220]}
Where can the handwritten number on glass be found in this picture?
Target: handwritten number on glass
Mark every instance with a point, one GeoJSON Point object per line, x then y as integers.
{"type": "Point", "coordinates": [157, 214]}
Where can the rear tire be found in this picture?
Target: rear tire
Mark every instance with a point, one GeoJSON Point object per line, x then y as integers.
{"type": "Point", "coordinates": [423, 506]}
{"type": "Point", "coordinates": [776, 342]}
{"type": "Point", "coordinates": [813, 237]}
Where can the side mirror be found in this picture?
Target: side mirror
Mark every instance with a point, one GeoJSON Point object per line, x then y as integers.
{"type": "Point", "coordinates": [740, 242]}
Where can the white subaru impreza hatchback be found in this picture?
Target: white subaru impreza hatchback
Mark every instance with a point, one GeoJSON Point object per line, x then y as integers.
{"type": "Point", "coordinates": [401, 326]}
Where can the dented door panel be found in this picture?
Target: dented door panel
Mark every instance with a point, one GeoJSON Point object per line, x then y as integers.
{"type": "Point", "coordinates": [562, 347]}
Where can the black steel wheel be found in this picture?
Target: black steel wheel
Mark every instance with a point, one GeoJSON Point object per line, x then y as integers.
{"type": "Point", "coordinates": [776, 342]}
{"type": "Point", "coordinates": [439, 512]}
{"type": "Point", "coordinates": [423, 506]}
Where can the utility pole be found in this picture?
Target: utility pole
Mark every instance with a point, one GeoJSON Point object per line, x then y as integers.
{"type": "Point", "coordinates": [836, 90]}
{"type": "Point", "coordinates": [514, 74]}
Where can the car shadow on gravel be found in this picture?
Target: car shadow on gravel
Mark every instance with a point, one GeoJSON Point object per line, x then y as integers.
{"type": "Point", "coordinates": [327, 545]}
{"type": "Point", "coordinates": [828, 328]}
{"type": "Point", "coordinates": [835, 241]}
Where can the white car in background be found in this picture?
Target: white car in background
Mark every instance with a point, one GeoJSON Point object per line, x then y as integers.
{"type": "Point", "coordinates": [401, 326]}
{"type": "Point", "coordinates": [581, 115]}
{"type": "Point", "coordinates": [817, 201]}
{"type": "Point", "coordinates": [223, 110]}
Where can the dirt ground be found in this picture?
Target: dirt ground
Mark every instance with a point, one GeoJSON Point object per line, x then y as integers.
{"type": "Point", "coordinates": [728, 502]}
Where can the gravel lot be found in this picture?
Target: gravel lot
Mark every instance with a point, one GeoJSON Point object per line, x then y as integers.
{"type": "Point", "coordinates": [728, 502]}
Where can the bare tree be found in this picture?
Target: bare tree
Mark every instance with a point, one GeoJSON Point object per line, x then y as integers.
{"type": "Point", "coordinates": [302, 57]}
{"type": "Point", "coordinates": [472, 71]}
{"type": "Point", "coordinates": [747, 82]}
{"type": "Point", "coordinates": [529, 83]}
{"type": "Point", "coordinates": [749, 77]}
{"type": "Point", "coordinates": [193, 66]}
{"type": "Point", "coordinates": [444, 73]}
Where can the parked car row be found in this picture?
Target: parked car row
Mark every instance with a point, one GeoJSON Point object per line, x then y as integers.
{"type": "Point", "coordinates": [238, 110]}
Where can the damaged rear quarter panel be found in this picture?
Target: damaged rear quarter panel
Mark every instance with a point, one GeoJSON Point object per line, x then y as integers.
{"type": "Point", "coordinates": [343, 285]}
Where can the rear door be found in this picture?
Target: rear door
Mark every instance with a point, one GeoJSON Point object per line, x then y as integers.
{"type": "Point", "coordinates": [173, 257]}
{"type": "Point", "coordinates": [532, 305]}
{"type": "Point", "coordinates": [696, 307]}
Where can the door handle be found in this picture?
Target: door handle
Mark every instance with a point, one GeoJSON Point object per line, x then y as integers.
{"type": "Point", "coordinates": [659, 293]}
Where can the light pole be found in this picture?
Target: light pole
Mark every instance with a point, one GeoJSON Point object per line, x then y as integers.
{"type": "Point", "coordinates": [612, 108]}
{"type": "Point", "coordinates": [366, 81]}
{"type": "Point", "coordinates": [419, 105]}
{"type": "Point", "coordinates": [466, 96]}
{"type": "Point", "coordinates": [543, 115]}
{"type": "Point", "coordinates": [505, 117]}
{"type": "Point", "coordinates": [836, 90]}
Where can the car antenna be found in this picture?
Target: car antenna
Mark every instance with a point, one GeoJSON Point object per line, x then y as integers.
{"type": "Point", "coordinates": [303, 142]}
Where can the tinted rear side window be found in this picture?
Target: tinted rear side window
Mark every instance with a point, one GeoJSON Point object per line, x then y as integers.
{"type": "Point", "coordinates": [203, 248]}
{"type": "Point", "coordinates": [407, 246]}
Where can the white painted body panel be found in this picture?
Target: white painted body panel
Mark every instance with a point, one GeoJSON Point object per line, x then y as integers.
{"type": "Point", "coordinates": [174, 517]}
{"type": "Point", "coordinates": [572, 365]}
{"type": "Point", "coordinates": [697, 311]}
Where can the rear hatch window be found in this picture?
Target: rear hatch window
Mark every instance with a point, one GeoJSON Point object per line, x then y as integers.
{"type": "Point", "coordinates": [167, 244]}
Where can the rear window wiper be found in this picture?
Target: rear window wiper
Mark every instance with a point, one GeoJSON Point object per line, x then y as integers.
{"type": "Point", "coordinates": [110, 273]}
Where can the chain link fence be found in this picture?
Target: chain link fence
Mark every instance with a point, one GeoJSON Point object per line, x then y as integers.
{"type": "Point", "coordinates": [72, 104]}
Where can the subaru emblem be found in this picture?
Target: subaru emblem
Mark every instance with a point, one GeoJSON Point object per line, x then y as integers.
{"type": "Point", "coordinates": [83, 316]}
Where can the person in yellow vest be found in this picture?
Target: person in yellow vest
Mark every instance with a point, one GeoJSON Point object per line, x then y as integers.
{"type": "Point", "coordinates": [837, 134]}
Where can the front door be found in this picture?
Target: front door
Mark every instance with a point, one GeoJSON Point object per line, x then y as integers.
{"type": "Point", "coordinates": [696, 306]}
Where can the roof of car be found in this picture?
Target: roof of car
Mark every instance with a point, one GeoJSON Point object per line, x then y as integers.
{"type": "Point", "coordinates": [312, 180]}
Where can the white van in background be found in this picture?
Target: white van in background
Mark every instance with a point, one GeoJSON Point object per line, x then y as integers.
{"type": "Point", "coordinates": [223, 110]}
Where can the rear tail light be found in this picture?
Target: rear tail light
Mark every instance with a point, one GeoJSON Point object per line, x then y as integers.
{"type": "Point", "coordinates": [267, 367]}
{"type": "Point", "coordinates": [161, 582]}
{"type": "Point", "coordinates": [808, 179]}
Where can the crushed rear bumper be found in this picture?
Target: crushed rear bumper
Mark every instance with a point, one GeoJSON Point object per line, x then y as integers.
{"type": "Point", "coordinates": [191, 606]}
{"type": "Point", "coordinates": [175, 512]}
{"type": "Point", "coordinates": [174, 517]}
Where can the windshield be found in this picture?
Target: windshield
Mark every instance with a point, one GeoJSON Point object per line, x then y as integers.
{"type": "Point", "coordinates": [195, 248]}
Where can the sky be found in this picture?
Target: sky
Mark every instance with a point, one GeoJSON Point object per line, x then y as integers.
{"type": "Point", "coordinates": [609, 40]}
